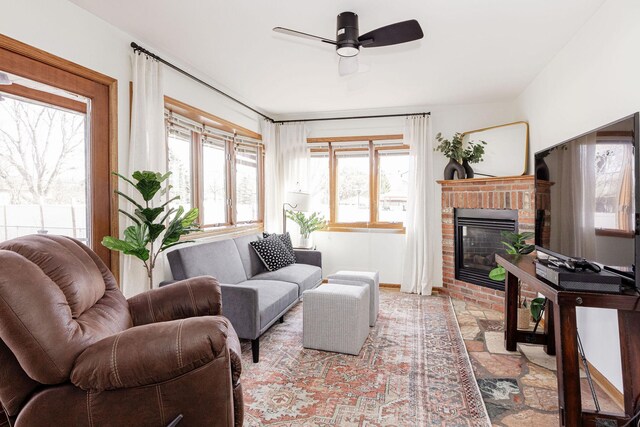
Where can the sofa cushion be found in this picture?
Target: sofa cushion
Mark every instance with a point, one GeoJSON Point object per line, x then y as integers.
{"type": "Point", "coordinates": [273, 298]}
{"type": "Point", "coordinates": [286, 240]}
{"type": "Point", "coordinates": [304, 275]}
{"type": "Point", "coordinates": [250, 259]}
{"type": "Point", "coordinates": [273, 253]}
{"type": "Point", "coordinates": [218, 259]}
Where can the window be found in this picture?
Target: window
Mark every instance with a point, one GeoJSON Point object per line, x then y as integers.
{"type": "Point", "coordinates": [179, 162]}
{"type": "Point", "coordinates": [43, 164]}
{"type": "Point", "coordinates": [214, 182]}
{"type": "Point", "coordinates": [357, 182]}
{"type": "Point", "coordinates": [214, 166]}
{"type": "Point", "coordinates": [393, 185]}
{"type": "Point", "coordinates": [614, 184]}
{"type": "Point", "coordinates": [247, 183]}
{"type": "Point", "coordinates": [352, 173]}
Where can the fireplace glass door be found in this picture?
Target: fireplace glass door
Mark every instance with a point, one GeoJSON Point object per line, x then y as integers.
{"type": "Point", "coordinates": [477, 241]}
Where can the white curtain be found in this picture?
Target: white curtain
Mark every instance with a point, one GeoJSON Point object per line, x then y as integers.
{"type": "Point", "coordinates": [147, 151]}
{"type": "Point", "coordinates": [577, 201]}
{"type": "Point", "coordinates": [422, 262]}
{"type": "Point", "coordinates": [273, 195]}
{"type": "Point", "coordinates": [286, 167]}
{"type": "Point", "coordinates": [294, 156]}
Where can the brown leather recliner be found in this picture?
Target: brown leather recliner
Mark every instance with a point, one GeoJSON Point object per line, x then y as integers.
{"type": "Point", "coordinates": [75, 352]}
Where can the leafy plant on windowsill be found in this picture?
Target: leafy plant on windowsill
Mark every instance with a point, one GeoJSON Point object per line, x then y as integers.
{"type": "Point", "coordinates": [150, 223]}
{"type": "Point", "coordinates": [515, 244]}
{"type": "Point", "coordinates": [308, 225]}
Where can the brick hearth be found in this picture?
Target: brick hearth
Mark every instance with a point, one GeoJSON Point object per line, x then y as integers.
{"type": "Point", "coordinates": [516, 192]}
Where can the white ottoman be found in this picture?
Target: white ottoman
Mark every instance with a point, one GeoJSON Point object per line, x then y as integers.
{"type": "Point", "coordinates": [370, 277]}
{"type": "Point", "coordinates": [336, 318]}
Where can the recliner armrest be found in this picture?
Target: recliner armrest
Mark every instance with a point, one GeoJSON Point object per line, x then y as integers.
{"type": "Point", "coordinates": [304, 256]}
{"type": "Point", "coordinates": [154, 353]}
{"type": "Point", "coordinates": [199, 296]}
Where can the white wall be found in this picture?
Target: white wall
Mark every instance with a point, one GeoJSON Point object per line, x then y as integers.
{"type": "Point", "coordinates": [377, 250]}
{"type": "Point", "coordinates": [592, 81]}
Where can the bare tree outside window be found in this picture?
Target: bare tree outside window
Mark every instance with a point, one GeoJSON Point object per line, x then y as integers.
{"type": "Point", "coordinates": [43, 162]}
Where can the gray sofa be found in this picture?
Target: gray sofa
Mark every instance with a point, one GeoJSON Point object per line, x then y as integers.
{"type": "Point", "coordinates": [253, 298]}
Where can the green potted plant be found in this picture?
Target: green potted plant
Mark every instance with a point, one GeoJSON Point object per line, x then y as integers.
{"type": "Point", "coordinates": [151, 223]}
{"type": "Point", "coordinates": [452, 149]}
{"type": "Point", "coordinates": [516, 244]}
{"type": "Point", "coordinates": [471, 155]}
{"type": "Point", "coordinates": [307, 224]}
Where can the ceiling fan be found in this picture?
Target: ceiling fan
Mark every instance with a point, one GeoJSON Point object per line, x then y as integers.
{"type": "Point", "coordinates": [348, 41]}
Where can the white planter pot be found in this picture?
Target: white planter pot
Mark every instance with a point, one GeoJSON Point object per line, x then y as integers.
{"type": "Point", "coordinates": [305, 242]}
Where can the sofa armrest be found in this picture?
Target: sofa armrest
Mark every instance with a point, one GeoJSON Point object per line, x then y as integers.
{"type": "Point", "coordinates": [241, 307]}
{"type": "Point", "coordinates": [154, 353]}
{"type": "Point", "coordinates": [199, 296]}
{"type": "Point", "coordinates": [308, 257]}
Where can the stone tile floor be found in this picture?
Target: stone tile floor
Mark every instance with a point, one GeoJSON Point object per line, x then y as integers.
{"type": "Point", "coordinates": [516, 390]}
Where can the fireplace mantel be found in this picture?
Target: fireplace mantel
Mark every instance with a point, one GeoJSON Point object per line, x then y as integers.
{"type": "Point", "coordinates": [513, 192]}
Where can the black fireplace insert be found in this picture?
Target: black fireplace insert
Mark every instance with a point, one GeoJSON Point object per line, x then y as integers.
{"type": "Point", "coordinates": [478, 240]}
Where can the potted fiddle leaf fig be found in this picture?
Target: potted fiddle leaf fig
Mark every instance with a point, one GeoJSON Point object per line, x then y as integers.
{"type": "Point", "coordinates": [307, 224]}
{"type": "Point", "coordinates": [151, 224]}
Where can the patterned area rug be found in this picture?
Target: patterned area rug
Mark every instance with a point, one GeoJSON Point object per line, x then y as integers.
{"type": "Point", "coordinates": [412, 371]}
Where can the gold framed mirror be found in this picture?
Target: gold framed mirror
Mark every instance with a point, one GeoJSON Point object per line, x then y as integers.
{"type": "Point", "coordinates": [506, 151]}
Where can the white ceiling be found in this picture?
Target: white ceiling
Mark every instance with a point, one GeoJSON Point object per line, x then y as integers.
{"type": "Point", "coordinates": [473, 51]}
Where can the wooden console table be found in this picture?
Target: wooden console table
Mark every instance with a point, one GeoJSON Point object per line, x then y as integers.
{"type": "Point", "coordinates": [560, 338]}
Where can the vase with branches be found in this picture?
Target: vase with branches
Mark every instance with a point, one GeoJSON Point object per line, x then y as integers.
{"type": "Point", "coordinates": [307, 224]}
{"type": "Point", "coordinates": [151, 224]}
{"type": "Point", "coordinates": [473, 153]}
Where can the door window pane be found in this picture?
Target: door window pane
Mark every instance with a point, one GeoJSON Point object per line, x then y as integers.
{"type": "Point", "coordinates": [214, 182]}
{"type": "Point", "coordinates": [179, 163]}
{"type": "Point", "coordinates": [246, 184]}
{"type": "Point", "coordinates": [319, 183]}
{"type": "Point", "coordinates": [43, 170]}
{"type": "Point", "coordinates": [353, 187]}
{"type": "Point", "coordinates": [393, 186]}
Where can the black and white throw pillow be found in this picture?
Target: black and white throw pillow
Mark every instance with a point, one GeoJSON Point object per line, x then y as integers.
{"type": "Point", "coordinates": [273, 253]}
{"type": "Point", "coordinates": [286, 239]}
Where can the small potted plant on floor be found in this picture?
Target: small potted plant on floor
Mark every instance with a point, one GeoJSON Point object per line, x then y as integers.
{"type": "Point", "coordinates": [307, 224]}
{"type": "Point", "coordinates": [516, 244]}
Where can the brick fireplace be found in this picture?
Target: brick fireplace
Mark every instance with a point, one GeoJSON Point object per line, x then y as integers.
{"type": "Point", "coordinates": [513, 195]}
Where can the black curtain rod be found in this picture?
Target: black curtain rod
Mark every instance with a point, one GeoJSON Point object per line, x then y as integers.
{"type": "Point", "coordinates": [138, 48]}
{"type": "Point", "coordinates": [354, 117]}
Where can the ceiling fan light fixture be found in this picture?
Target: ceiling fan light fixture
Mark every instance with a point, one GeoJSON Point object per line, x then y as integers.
{"type": "Point", "coordinates": [347, 51]}
{"type": "Point", "coordinates": [4, 79]}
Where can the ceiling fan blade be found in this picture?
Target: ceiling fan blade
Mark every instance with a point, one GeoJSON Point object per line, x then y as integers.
{"type": "Point", "coordinates": [348, 65]}
{"type": "Point", "coordinates": [295, 33]}
{"type": "Point", "coordinates": [400, 32]}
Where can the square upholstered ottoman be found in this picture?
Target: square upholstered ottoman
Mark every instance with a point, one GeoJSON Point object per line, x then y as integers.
{"type": "Point", "coordinates": [336, 318]}
{"type": "Point", "coordinates": [370, 277]}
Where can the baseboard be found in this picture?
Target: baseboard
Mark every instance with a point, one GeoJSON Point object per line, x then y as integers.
{"type": "Point", "coordinates": [606, 385]}
{"type": "Point", "coordinates": [390, 285]}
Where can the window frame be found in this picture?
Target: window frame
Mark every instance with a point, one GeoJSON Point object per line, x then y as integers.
{"type": "Point", "coordinates": [237, 138]}
{"type": "Point", "coordinates": [373, 150]}
{"type": "Point", "coordinates": [34, 64]}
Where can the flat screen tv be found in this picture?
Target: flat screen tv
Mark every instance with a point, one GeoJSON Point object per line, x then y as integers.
{"type": "Point", "coordinates": [587, 197]}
